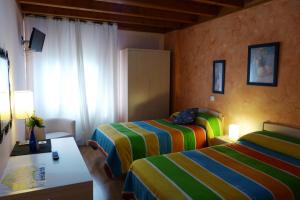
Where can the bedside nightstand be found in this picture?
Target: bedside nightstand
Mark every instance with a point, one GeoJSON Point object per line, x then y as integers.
{"type": "Point", "coordinates": [221, 140]}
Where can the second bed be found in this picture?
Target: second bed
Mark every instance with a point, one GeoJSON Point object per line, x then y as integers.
{"type": "Point", "coordinates": [123, 143]}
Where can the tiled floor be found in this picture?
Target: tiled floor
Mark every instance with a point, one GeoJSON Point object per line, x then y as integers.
{"type": "Point", "coordinates": [104, 187]}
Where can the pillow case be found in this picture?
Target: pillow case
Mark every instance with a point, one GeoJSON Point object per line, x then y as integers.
{"type": "Point", "coordinates": [187, 116]}
{"type": "Point", "coordinates": [175, 114]}
{"type": "Point", "coordinates": [212, 124]}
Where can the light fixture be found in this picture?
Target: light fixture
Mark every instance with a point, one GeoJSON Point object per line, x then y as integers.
{"type": "Point", "coordinates": [23, 104]}
{"type": "Point", "coordinates": [234, 131]}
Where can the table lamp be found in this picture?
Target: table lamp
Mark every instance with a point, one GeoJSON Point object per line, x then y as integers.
{"type": "Point", "coordinates": [234, 131]}
{"type": "Point", "coordinates": [23, 106]}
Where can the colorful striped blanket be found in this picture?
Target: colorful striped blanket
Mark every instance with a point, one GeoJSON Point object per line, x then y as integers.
{"type": "Point", "coordinates": [262, 165]}
{"type": "Point", "coordinates": [212, 124]}
{"type": "Point", "coordinates": [125, 142]}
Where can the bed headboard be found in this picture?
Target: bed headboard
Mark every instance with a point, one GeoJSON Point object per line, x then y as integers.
{"type": "Point", "coordinates": [279, 128]}
{"type": "Point", "coordinates": [212, 112]}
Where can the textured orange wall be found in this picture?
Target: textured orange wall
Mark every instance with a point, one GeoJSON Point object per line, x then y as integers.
{"type": "Point", "coordinates": [228, 37]}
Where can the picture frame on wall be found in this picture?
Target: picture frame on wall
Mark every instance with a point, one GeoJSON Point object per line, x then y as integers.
{"type": "Point", "coordinates": [263, 64]}
{"type": "Point", "coordinates": [5, 95]}
{"type": "Point", "coordinates": [218, 76]}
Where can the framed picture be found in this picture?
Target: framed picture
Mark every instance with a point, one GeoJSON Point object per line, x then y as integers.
{"type": "Point", "coordinates": [218, 76]}
{"type": "Point", "coordinates": [5, 95]}
{"type": "Point", "coordinates": [263, 64]}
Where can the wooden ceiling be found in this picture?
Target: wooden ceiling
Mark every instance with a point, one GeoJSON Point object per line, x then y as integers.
{"type": "Point", "coordinates": [158, 16]}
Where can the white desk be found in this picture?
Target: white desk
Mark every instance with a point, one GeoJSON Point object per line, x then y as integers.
{"type": "Point", "coordinates": [67, 178]}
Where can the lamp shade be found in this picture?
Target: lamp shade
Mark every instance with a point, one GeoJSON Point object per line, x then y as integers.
{"type": "Point", "coordinates": [4, 106]}
{"type": "Point", "coordinates": [234, 131]}
{"type": "Point", "coordinates": [23, 104]}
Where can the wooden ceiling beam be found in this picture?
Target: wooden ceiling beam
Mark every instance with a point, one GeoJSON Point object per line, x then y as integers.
{"type": "Point", "coordinates": [181, 6]}
{"type": "Point", "coordinates": [225, 3]}
{"type": "Point", "coordinates": [141, 15]}
{"type": "Point", "coordinates": [121, 26]}
{"type": "Point", "coordinates": [134, 27]}
{"type": "Point", "coordinates": [96, 16]}
{"type": "Point", "coordinates": [110, 8]}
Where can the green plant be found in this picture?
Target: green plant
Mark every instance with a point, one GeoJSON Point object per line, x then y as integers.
{"type": "Point", "coordinates": [35, 121]}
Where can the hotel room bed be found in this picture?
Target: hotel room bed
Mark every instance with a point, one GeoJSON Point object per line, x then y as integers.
{"type": "Point", "coordinates": [123, 143]}
{"type": "Point", "coordinates": [261, 165]}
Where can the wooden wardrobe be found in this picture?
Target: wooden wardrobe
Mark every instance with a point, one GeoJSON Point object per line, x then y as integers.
{"type": "Point", "coordinates": [144, 84]}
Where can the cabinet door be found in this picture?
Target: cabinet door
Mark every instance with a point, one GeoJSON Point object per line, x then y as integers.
{"type": "Point", "coordinates": [148, 84]}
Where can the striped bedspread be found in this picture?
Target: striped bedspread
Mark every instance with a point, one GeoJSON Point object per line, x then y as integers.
{"type": "Point", "coordinates": [249, 169]}
{"type": "Point", "coordinates": [125, 142]}
{"type": "Point", "coordinates": [212, 124]}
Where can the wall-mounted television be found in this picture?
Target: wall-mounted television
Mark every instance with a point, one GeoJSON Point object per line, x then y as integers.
{"type": "Point", "coordinates": [36, 41]}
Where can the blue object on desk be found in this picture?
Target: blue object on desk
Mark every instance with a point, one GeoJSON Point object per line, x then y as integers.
{"type": "Point", "coordinates": [32, 142]}
{"type": "Point", "coordinates": [55, 155]}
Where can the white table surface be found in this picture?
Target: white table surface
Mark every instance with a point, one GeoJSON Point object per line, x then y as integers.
{"type": "Point", "coordinates": [69, 169]}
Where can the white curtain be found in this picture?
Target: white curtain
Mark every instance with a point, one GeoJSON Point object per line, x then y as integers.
{"type": "Point", "coordinates": [75, 75]}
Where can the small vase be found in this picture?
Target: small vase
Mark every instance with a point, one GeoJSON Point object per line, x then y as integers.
{"type": "Point", "coordinates": [32, 142]}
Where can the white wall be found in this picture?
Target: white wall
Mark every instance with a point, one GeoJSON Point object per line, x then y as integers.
{"type": "Point", "coordinates": [140, 40]}
{"type": "Point", "coordinates": [10, 32]}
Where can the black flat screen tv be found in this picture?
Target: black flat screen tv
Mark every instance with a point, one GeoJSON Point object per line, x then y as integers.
{"type": "Point", "coordinates": [36, 41]}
